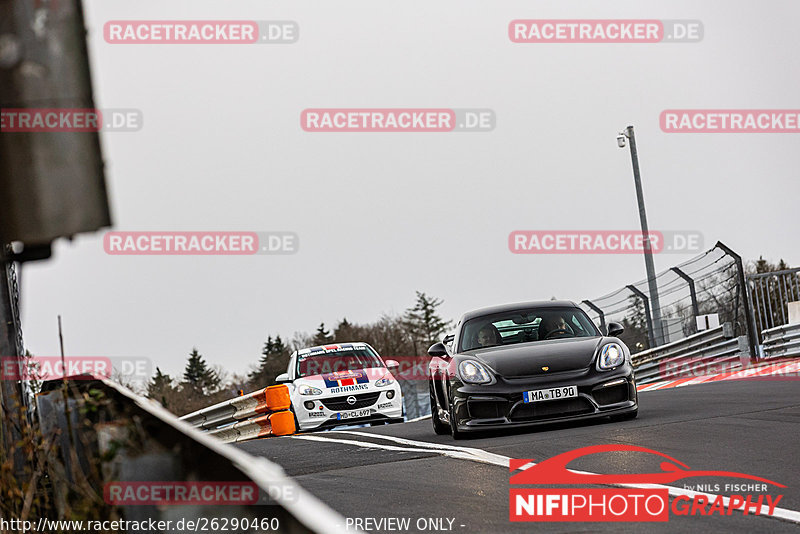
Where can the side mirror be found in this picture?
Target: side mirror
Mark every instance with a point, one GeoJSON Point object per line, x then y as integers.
{"type": "Point", "coordinates": [282, 378]}
{"type": "Point", "coordinates": [392, 365]}
{"type": "Point", "coordinates": [615, 329]}
{"type": "Point", "coordinates": [438, 350]}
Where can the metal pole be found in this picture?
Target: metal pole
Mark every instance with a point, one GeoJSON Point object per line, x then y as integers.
{"type": "Point", "coordinates": [648, 251]}
{"type": "Point", "coordinates": [648, 316]}
{"type": "Point", "coordinates": [752, 335]}
{"type": "Point", "coordinates": [11, 405]}
{"type": "Point", "coordinates": [599, 312]}
{"type": "Point", "coordinates": [692, 291]}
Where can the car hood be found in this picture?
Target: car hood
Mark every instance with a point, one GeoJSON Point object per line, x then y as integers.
{"type": "Point", "coordinates": [531, 359]}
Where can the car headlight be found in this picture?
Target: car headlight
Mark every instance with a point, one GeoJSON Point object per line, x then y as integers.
{"type": "Point", "coordinates": [473, 372]}
{"type": "Point", "coordinates": [611, 355]}
{"type": "Point", "coordinates": [308, 390]}
{"type": "Point", "coordinates": [385, 381]}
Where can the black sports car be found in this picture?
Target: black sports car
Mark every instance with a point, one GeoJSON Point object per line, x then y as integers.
{"type": "Point", "coordinates": [526, 364]}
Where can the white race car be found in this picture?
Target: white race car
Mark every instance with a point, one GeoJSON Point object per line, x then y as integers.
{"type": "Point", "coordinates": [342, 384]}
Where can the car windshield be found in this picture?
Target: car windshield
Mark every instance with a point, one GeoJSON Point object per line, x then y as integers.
{"type": "Point", "coordinates": [329, 361]}
{"type": "Point", "coordinates": [525, 326]}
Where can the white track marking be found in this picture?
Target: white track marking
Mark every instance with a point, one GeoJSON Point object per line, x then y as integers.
{"type": "Point", "coordinates": [481, 456]}
{"type": "Point", "coordinates": [367, 445]}
{"type": "Point", "coordinates": [486, 456]}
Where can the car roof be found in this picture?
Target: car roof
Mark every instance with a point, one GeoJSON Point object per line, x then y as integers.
{"type": "Point", "coordinates": [490, 310]}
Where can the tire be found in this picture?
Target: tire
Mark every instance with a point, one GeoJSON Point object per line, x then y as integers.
{"type": "Point", "coordinates": [626, 416]}
{"type": "Point", "coordinates": [438, 427]}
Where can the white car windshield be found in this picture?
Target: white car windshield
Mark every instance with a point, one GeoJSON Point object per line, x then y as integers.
{"type": "Point", "coordinates": [324, 362]}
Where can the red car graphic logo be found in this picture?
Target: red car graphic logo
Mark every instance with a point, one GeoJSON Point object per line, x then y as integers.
{"type": "Point", "coordinates": [554, 470]}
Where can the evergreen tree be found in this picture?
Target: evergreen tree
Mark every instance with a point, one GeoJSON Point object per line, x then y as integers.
{"type": "Point", "coordinates": [160, 387]}
{"type": "Point", "coordinates": [322, 336]}
{"type": "Point", "coordinates": [344, 332]}
{"type": "Point", "coordinates": [636, 335]}
{"type": "Point", "coordinates": [274, 360]}
{"type": "Point", "coordinates": [198, 377]}
{"type": "Point", "coordinates": [423, 322]}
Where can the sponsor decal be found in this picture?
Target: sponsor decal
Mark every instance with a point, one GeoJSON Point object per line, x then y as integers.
{"type": "Point", "coordinates": [345, 389]}
{"type": "Point", "coordinates": [316, 414]}
{"type": "Point", "coordinates": [384, 405]}
{"type": "Point", "coordinates": [629, 503]}
{"type": "Point", "coordinates": [345, 378]}
{"type": "Point", "coordinates": [313, 351]}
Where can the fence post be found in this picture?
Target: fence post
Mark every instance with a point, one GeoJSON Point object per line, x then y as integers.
{"type": "Point", "coordinates": [692, 291]}
{"type": "Point", "coordinates": [752, 334]}
{"type": "Point", "coordinates": [599, 312]}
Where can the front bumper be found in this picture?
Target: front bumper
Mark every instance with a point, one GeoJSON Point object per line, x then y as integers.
{"type": "Point", "coordinates": [501, 404]}
{"type": "Point", "coordinates": [327, 411]}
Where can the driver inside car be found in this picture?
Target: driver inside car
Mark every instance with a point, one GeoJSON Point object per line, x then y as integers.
{"type": "Point", "coordinates": [554, 326]}
{"type": "Point", "coordinates": [488, 336]}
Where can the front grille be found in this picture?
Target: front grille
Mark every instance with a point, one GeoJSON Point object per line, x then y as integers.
{"type": "Point", "coordinates": [339, 404]}
{"type": "Point", "coordinates": [611, 395]}
{"type": "Point", "coordinates": [487, 409]}
{"type": "Point", "coordinates": [543, 410]}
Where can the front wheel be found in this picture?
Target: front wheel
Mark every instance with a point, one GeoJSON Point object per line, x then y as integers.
{"type": "Point", "coordinates": [438, 427]}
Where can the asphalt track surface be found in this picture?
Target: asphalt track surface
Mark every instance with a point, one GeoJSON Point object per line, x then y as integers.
{"type": "Point", "coordinates": [746, 426]}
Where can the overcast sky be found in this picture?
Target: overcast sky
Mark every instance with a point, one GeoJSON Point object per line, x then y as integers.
{"type": "Point", "coordinates": [380, 215]}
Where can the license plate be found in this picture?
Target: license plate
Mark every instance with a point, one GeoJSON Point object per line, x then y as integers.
{"type": "Point", "coordinates": [539, 395]}
{"type": "Point", "coordinates": [355, 414]}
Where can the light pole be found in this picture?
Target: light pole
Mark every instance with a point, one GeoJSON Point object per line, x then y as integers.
{"type": "Point", "coordinates": [627, 135]}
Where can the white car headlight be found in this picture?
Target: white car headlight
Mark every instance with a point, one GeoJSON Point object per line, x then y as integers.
{"type": "Point", "coordinates": [308, 390]}
{"type": "Point", "coordinates": [385, 381]}
{"type": "Point", "coordinates": [611, 355]}
{"type": "Point", "coordinates": [473, 372]}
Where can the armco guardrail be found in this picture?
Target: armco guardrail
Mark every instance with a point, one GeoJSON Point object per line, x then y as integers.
{"type": "Point", "coordinates": [781, 341]}
{"type": "Point", "coordinates": [135, 440]}
{"type": "Point", "coordinates": [259, 414]}
{"type": "Point", "coordinates": [713, 350]}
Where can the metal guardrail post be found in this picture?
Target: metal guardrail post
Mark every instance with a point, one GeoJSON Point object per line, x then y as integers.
{"type": "Point", "coordinates": [599, 312]}
{"type": "Point", "coordinates": [752, 334]}
{"type": "Point", "coordinates": [689, 280]}
{"type": "Point", "coordinates": [650, 335]}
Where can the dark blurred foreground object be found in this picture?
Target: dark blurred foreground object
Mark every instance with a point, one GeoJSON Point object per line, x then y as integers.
{"type": "Point", "coordinates": [52, 184]}
{"type": "Point", "coordinates": [107, 437]}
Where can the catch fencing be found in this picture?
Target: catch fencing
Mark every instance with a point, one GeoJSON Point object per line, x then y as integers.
{"type": "Point", "coordinates": [711, 283]}
{"type": "Point", "coordinates": [771, 293]}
